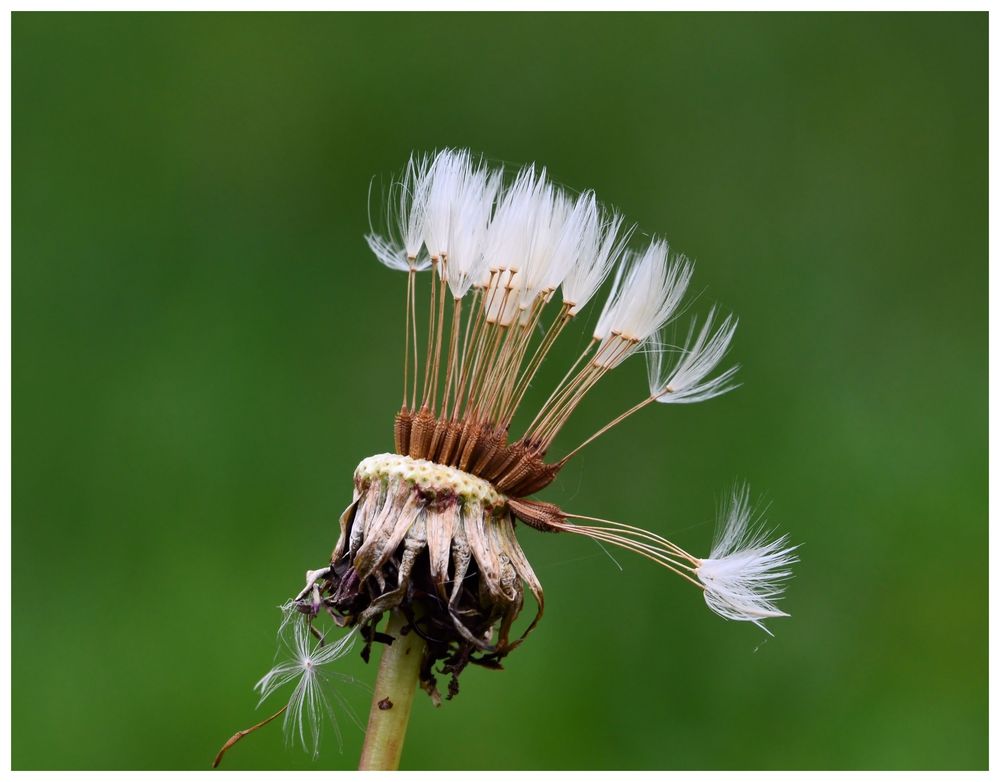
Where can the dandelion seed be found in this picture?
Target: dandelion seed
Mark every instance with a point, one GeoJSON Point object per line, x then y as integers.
{"type": "Point", "coordinates": [686, 382]}
{"type": "Point", "coordinates": [310, 699]}
{"type": "Point", "coordinates": [745, 573]}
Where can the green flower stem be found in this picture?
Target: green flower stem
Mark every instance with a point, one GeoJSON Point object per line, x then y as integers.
{"type": "Point", "coordinates": [395, 686]}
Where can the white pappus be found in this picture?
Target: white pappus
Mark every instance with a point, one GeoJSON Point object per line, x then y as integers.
{"type": "Point", "coordinates": [307, 665]}
{"type": "Point", "coordinates": [685, 381]}
{"type": "Point", "coordinates": [744, 573]}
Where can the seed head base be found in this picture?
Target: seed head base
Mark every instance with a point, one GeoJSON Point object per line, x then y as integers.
{"type": "Point", "coordinates": [438, 544]}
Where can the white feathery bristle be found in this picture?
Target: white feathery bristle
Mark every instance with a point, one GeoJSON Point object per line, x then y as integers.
{"type": "Point", "coordinates": [543, 268]}
{"type": "Point", "coordinates": [470, 217]}
{"type": "Point", "coordinates": [685, 382]}
{"type": "Point", "coordinates": [309, 701]}
{"type": "Point", "coordinates": [446, 178]}
{"type": "Point", "coordinates": [394, 256]}
{"type": "Point", "coordinates": [563, 241]}
{"type": "Point", "coordinates": [508, 241]}
{"type": "Point", "coordinates": [412, 204]}
{"type": "Point", "coordinates": [744, 574]}
{"type": "Point", "coordinates": [509, 236]}
{"type": "Point", "coordinates": [578, 225]}
{"type": "Point", "coordinates": [405, 220]}
{"type": "Point", "coordinates": [614, 301]}
{"type": "Point", "coordinates": [601, 245]}
{"type": "Point", "coordinates": [647, 290]}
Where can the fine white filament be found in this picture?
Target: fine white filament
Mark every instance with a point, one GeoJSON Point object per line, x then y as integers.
{"type": "Point", "coordinates": [309, 702]}
{"type": "Point", "coordinates": [745, 573]}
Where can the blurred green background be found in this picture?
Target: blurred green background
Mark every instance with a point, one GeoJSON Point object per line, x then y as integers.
{"type": "Point", "coordinates": [204, 349]}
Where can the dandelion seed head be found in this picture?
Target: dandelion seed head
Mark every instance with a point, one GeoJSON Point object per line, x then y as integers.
{"type": "Point", "coordinates": [432, 531]}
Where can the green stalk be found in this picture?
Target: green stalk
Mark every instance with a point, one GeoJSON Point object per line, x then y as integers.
{"type": "Point", "coordinates": [392, 698]}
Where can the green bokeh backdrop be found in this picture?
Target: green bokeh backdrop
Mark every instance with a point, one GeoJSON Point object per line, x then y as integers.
{"type": "Point", "coordinates": [204, 349]}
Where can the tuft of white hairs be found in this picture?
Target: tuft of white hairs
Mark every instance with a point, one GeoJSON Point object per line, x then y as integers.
{"type": "Point", "coordinates": [543, 268]}
{"type": "Point", "coordinates": [599, 246]}
{"type": "Point", "coordinates": [446, 178]}
{"type": "Point", "coordinates": [685, 381]}
{"type": "Point", "coordinates": [471, 210]}
{"type": "Point", "coordinates": [394, 256]}
{"type": "Point", "coordinates": [561, 242]}
{"type": "Point", "coordinates": [647, 289]}
{"type": "Point", "coordinates": [528, 238]}
{"type": "Point", "coordinates": [745, 573]}
{"type": "Point", "coordinates": [309, 702]}
{"type": "Point", "coordinates": [402, 249]}
{"type": "Point", "coordinates": [508, 242]}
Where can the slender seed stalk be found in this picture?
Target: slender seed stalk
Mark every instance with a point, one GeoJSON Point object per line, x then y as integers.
{"type": "Point", "coordinates": [392, 699]}
{"type": "Point", "coordinates": [610, 425]}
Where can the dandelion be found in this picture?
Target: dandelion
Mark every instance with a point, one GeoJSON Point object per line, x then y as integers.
{"type": "Point", "coordinates": [430, 536]}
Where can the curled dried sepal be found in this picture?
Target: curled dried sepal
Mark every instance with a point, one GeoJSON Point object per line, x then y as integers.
{"type": "Point", "coordinates": [439, 545]}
